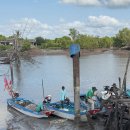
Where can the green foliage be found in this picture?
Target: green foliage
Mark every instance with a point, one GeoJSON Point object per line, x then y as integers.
{"type": "Point", "coordinates": [86, 41]}
{"type": "Point", "coordinates": [48, 44]}
{"type": "Point", "coordinates": [91, 42]}
{"type": "Point", "coordinates": [26, 46]}
{"type": "Point", "coordinates": [58, 43]}
{"type": "Point", "coordinates": [63, 42]}
{"type": "Point", "coordinates": [106, 42]}
{"type": "Point", "coordinates": [122, 38]}
{"type": "Point", "coordinates": [2, 38]}
{"type": "Point", "coordinates": [73, 34]}
{"type": "Point", "coordinates": [3, 47]}
{"type": "Point", "coordinates": [40, 40]}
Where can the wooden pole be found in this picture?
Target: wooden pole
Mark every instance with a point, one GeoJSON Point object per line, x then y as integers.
{"type": "Point", "coordinates": [125, 75]}
{"type": "Point", "coordinates": [76, 77]}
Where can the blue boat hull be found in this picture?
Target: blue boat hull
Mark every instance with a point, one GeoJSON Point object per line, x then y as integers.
{"type": "Point", "coordinates": [15, 103]}
{"type": "Point", "coordinates": [67, 112]}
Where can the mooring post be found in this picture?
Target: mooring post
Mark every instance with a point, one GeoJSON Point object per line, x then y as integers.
{"type": "Point", "coordinates": [75, 54]}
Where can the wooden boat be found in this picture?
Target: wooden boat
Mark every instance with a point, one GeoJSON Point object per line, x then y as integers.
{"type": "Point", "coordinates": [66, 112]}
{"type": "Point", "coordinates": [27, 107]}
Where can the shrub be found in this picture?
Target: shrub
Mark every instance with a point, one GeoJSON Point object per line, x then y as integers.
{"type": "Point", "coordinates": [26, 46]}
{"type": "Point", "coordinates": [4, 47]}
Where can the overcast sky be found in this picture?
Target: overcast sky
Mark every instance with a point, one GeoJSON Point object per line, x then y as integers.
{"type": "Point", "coordinates": [54, 18]}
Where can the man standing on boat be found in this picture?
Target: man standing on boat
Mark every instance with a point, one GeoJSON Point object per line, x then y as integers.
{"type": "Point", "coordinates": [89, 96]}
{"type": "Point", "coordinates": [63, 96]}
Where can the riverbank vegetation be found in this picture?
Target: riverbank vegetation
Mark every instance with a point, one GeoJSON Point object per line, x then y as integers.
{"type": "Point", "coordinates": [120, 40]}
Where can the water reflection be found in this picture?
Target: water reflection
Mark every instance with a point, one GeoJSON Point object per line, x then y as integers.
{"type": "Point", "coordinates": [18, 74]}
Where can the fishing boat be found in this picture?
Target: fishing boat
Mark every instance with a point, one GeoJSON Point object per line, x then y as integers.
{"type": "Point", "coordinates": [27, 107]}
{"type": "Point", "coordinates": [67, 112]}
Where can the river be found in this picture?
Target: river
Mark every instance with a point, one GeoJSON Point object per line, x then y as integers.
{"type": "Point", "coordinates": [56, 71]}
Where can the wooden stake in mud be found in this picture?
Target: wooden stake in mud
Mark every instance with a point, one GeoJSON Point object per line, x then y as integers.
{"type": "Point", "coordinates": [75, 53]}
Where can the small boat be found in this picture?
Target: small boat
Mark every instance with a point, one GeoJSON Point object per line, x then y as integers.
{"type": "Point", "coordinates": [67, 112]}
{"type": "Point", "coordinates": [27, 107]}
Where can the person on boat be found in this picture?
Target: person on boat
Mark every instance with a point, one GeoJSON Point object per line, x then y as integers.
{"type": "Point", "coordinates": [63, 96]}
{"type": "Point", "coordinates": [47, 99]}
{"type": "Point", "coordinates": [90, 96]}
{"type": "Point", "coordinates": [39, 107]}
{"type": "Point", "coordinates": [106, 96]}
{"type": "Point", "coordinates": [115, 90]}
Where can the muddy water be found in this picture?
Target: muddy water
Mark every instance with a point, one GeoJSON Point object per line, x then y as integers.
{"type": "Point", "coordinates": [95, 70]}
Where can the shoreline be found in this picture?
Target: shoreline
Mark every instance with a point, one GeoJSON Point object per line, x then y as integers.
{"type": "Point", "coordinates": [83, 52]}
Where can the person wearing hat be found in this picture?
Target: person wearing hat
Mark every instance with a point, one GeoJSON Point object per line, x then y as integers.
{"type": "Point", "coordinates": [89, 96]}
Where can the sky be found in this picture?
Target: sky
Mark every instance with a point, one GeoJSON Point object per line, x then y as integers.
{"type": "Point", "coordinates": [53, 18]}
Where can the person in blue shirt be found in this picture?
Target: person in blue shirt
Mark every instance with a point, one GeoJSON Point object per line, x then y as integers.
{"type": "Point", "coordinates": [63, 96]}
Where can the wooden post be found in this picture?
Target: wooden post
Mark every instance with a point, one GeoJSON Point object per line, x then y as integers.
{"type": "Point", "coordinates": [76, 77]}
{"type": "Point", "coordinates": [125, 75]}
{"type": "Point", "coordinates": [75, 53]}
